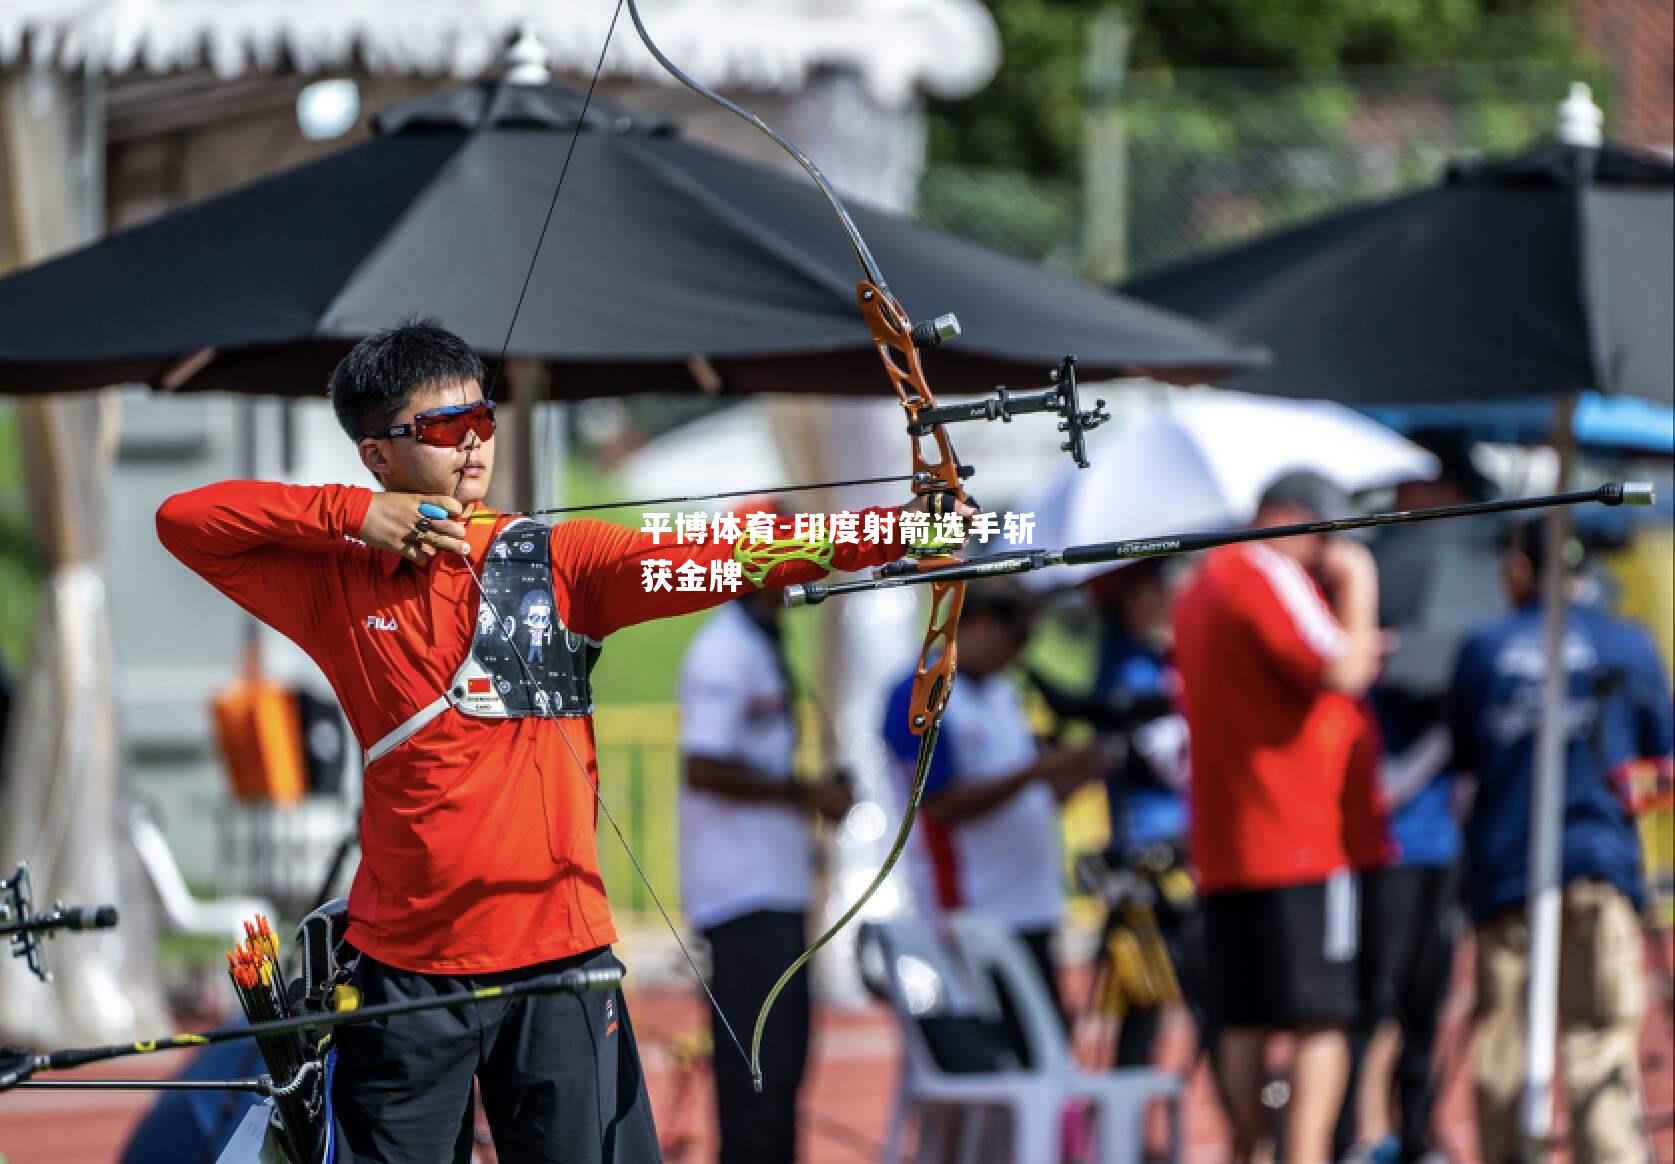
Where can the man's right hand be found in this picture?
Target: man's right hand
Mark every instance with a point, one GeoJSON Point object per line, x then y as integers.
{"type": "Point", "coordinates": [831, 798]}
{"type": "Point", "coordinates": [1347, 566]}
{"type": "Point", "coordinates": [1067, 769]}
{"type": "Point", "coordinates": [1350, 575]}
{"type": "Point", "coordinates": [394, 523]}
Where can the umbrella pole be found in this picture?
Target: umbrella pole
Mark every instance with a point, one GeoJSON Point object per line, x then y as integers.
{"type": "Point", "coordinates": [1544, 902]}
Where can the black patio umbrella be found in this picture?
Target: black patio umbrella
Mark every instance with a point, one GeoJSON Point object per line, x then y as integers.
{"type": "Point", "coordinates": [1546, 274]}
{"type": "Point", "coordinates": [659, 250]}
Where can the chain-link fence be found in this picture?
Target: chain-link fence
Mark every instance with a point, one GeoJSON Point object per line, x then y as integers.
{"type": "Point", "coordinates": [1179, 163]}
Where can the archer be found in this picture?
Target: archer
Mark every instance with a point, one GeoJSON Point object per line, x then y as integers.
{"type": "Point", "coordinates": [479, 862]}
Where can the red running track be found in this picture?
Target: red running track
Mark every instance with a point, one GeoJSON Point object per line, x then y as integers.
{"type": "Point", "coordinates": [847, 1101]}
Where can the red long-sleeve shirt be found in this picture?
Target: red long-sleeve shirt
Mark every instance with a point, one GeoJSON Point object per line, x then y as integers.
{"type": "Point", "coordinates": [477, 835]}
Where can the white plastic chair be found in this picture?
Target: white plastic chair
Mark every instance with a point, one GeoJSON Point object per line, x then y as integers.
{"type": "Point", "coordinates": [220, 917]}
{"type": "Point", "coordinates": [918, 978]}
{"type": "Point", "coordinates": [1119, 1097]}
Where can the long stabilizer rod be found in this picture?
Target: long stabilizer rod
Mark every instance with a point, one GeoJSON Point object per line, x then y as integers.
{"type": "Point", "coordinates": [908, 572]}
{"type": "Point", "coordinates": [16, 1066]}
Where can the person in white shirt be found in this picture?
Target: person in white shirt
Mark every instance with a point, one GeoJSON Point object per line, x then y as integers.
{"type": "Point", "coordinates": [747, 851]}
{"type": "Point", "coordinates": [988, 837]}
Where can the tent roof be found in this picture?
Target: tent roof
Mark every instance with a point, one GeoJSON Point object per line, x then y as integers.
{"type": "Point", "coordinates": [948, 48]}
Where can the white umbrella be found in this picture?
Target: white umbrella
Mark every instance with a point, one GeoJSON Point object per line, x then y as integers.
{"type": "Point", "coordinates": [1201, 462]}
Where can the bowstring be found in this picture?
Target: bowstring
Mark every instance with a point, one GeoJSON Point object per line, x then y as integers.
{"type": "Point", "coordinates": [552, 204]}
{"type": "Point", "coordinates": [529, 676]}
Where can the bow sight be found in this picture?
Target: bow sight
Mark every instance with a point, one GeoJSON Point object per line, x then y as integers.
{"type": "Point", "coordinates": [25, 927]}
{"type": "Point", "coordinates": [1061, 400]}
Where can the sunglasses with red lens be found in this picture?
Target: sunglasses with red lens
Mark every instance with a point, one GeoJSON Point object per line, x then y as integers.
{"type": "Point", "coordinates": [446, 428]}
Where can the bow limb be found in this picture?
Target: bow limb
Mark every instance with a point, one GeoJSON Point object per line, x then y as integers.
{"type": "Point", "coordinates": [936, 472]}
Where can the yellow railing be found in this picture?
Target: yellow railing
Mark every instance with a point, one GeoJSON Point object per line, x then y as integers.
{"type": "Point", "coordinates": [639, 779]}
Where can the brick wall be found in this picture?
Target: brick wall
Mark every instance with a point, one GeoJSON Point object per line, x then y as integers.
{"type": "Point", "coordinates": [1636, 38]}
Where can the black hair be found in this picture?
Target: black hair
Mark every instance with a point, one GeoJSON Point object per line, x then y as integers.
{"type": "Point", "coordinates": [1453, 452]}
{"type": "Point", "coordinates": [1308, 491]}
{"type": "Point", "coordinates": [380, 374]}
{"type": "Point", "coordinates": [1003, 601]}
{"type": "Point", "coordinates": [1528, 536]}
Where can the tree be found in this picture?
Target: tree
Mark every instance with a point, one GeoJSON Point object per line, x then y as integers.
{"type": "Point", "coordinates": [1030, 116]}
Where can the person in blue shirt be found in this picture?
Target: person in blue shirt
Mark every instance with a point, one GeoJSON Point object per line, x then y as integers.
{"type": "Point", "coordinates": [1132, 707]}
{"type": "Point", "coordinates": [1147, 794]}
{"type": "Point", "coordinates": [988, 835]}
{"type": "Point", "coordinates": [1617, 712]}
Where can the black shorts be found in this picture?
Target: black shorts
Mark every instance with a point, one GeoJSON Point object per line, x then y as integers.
{"type": "Point", "coordinates": [1283, 958]}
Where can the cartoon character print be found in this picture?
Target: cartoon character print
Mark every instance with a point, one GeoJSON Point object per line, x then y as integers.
{"type": "Point", "coordinates": [485, 621]}
{"type": "Point", "coordinates": [536, 614]}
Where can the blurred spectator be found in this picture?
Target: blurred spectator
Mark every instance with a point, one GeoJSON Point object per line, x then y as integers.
{"type": "Point", "coordinates": [1617, 711]}
{"type": "Point", "coordinates": [988, 838]}
{"type": "Point", "coordinates": [1437, 580]}
{"type": "Point", "coordinates": [1136, 676]}
{"type": "Point", "coordinates": [1275, 643]}
{"type": "Point", "coordinates": [746, 858]}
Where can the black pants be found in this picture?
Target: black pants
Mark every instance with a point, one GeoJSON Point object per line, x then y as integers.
{"type": "Point", "coordinates": [1039, 943]}
{"type": "Point", "coordinates": [747, 955]}
{"type": "Point", "coordinates": [1410, 922]}
{"type": "Point", "coordinates": [560, 1074]}
{"type": "Point", "coordinates": [1182, 930]}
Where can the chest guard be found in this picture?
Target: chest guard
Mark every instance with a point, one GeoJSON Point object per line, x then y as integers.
{"type": "Point", "coordinates": [523, 660]}
{"type": "Point", "coordinates": [520, 637]}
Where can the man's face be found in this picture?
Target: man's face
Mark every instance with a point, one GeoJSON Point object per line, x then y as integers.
{"type": "Point", "coordinates": [989, 644]}
{"type": "Point", "coordinates": [1305, 549]}
{"type": "Point", "coordinates": [405, 465]}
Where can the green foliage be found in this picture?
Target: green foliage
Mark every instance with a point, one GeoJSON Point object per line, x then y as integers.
{"type": "Point", "coordinates": [1029, 118]}
{"type": "Point", "coordinates": [999, 208]}
{"type": "Point", "coordinates": [1317, 34]}
{"type": "Point", "coordinates": [1217, 156]}
{"type": "Point", "coordinates": [20, 571]}
{"type": "Point", "coordinates": [640, 664]}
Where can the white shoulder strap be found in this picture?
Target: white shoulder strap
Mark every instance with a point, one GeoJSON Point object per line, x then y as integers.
{"type": "Point", "coordinates": [406, 729]}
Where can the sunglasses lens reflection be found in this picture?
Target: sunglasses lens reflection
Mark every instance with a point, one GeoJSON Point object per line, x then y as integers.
{"type": "Point", "coordinates": [448, 429]}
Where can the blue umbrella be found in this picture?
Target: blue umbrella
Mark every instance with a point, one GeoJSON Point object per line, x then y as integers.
{"type": "Point", "coordinates": [1609, 425]}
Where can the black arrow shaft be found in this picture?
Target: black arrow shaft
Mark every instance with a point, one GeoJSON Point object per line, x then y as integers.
{"type": "Point", "coordinates": [255, 1086]}
{"type": "Point", "coordinates": [1135, 548]}
{"type": "Point", "coordinates": [564, 982]}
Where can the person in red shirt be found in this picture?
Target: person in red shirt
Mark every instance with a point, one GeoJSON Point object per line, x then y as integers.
{"type": "Point", "coordinates": [460, 650]}
{"type": "Point", "coordinates": [1272, 671]}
